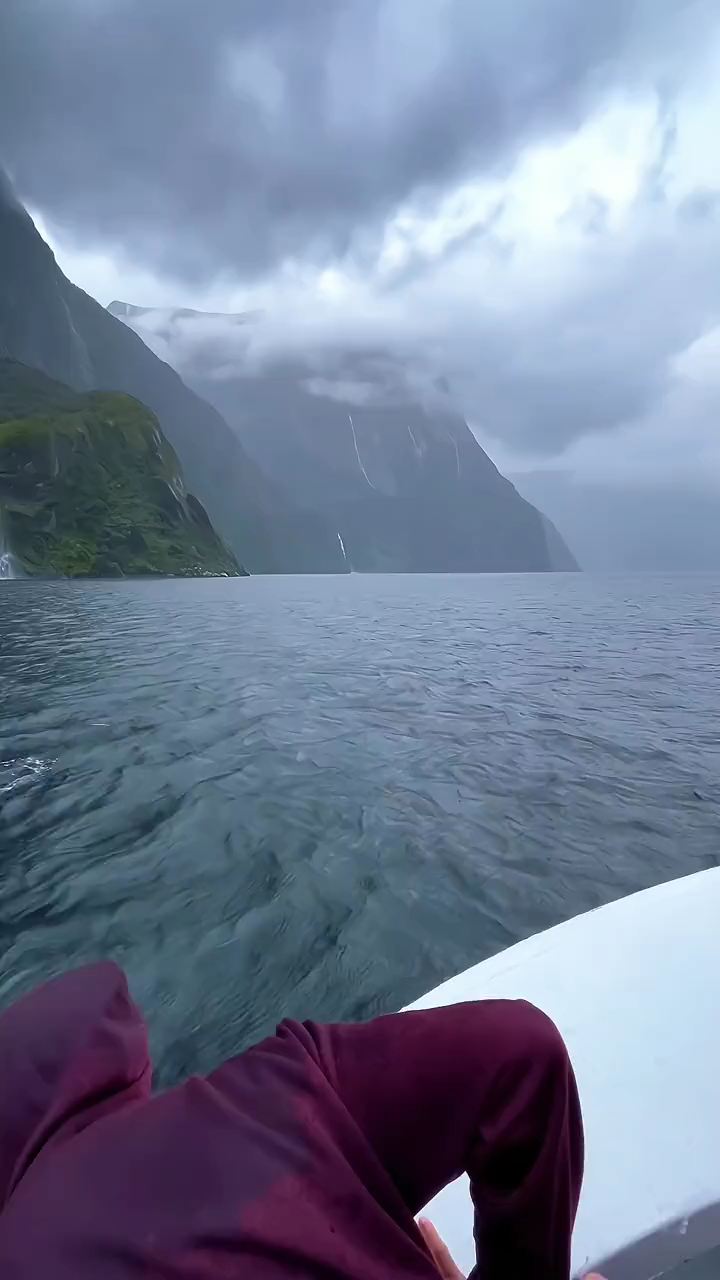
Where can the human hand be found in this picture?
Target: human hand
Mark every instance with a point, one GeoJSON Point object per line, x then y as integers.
{"type": "Point", "coordinates": [439, 1251]}
{"type": "Point", "coordinates": [442, 1257]}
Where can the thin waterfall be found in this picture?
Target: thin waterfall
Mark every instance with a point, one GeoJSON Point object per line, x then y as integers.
{"type": "Point", "coordinates": [357, 453]}
{"type": "Point", "coordinates": [7, 561]}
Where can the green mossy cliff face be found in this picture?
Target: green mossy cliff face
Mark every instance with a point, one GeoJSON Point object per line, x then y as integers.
{"type": "Point", "coordinates": [49, 324]}
{"type": "Point", "coordinates": [90, 487]}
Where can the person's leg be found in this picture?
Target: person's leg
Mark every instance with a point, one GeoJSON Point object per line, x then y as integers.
{"type": "Point", "coordinates": [485, 1087]}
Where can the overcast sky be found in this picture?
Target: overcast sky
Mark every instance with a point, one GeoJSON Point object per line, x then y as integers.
{"type": "Point", "coordinates": [525, 195]}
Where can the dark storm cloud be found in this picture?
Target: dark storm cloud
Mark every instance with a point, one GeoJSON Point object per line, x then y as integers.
{"type": "Point", "coordinates": [592, 359]}
{"type": "Point", "coordinates": [223, 136]}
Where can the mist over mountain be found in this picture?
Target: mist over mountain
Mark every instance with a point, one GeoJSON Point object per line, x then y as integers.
{"type": "Point", "coordinates": [634, 527]}
{"type": "Point", "coordinates": [374, 447]}
{"type": "Point", "coordinates": [46, 322]}
{"type": "Point", "coordinates": [527, 200]}
{"type": "Point", "coordinates": [324, 469]}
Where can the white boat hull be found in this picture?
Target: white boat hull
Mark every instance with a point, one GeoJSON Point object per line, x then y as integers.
{"type": "Point", "coordinates": [634, 989]}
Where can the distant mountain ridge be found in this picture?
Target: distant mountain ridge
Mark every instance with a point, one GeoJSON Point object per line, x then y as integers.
{"type": "Point", "coordinates": [398, 476]}
{"type": "Point", "coordinates": [49, 324]}
{"type": "Point", "coordinates": [322, 469]}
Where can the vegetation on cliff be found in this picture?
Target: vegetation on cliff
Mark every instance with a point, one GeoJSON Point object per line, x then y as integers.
{"type": "Point", "coordinates": [90, 487]}
{"type": "Point", "coordinates": [48, 323]}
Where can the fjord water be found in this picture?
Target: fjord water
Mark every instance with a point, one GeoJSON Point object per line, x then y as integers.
{"type": "Point", "coordinates": [321, 796]}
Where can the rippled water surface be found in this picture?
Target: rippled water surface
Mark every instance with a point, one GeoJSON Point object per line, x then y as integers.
{"type": "Point", "coordinates": [321, 796]}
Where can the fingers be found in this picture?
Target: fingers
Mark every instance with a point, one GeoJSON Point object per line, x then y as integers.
{"type": "Point", "coordinates": [439, 1251]}
{"type": "Point", "coordinates": [442, 1257]}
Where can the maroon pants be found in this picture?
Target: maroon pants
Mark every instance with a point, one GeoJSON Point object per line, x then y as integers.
{"type": "Point", "coordinates": [307, 1156]}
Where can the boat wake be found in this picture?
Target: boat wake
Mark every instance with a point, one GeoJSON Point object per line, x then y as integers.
{"type": "Point", "coordinates": [18, 774]}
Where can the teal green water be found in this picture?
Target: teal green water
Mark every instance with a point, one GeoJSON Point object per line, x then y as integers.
{"type": "Point", "coordinates": [322, 796]}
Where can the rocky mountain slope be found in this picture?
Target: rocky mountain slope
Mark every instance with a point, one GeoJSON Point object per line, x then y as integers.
{"type": "Point", "coordinates": [407, 488]}
{"type": "Point", "coordinates": [392, 468]}
{"type": "Point", "coordinates": [49, 324]}
{"type": "Point", "coordinates": [89, 486]}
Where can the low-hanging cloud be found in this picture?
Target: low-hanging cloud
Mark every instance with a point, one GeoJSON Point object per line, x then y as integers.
{"type": "Point", "coordinates": [597, 353]}
{"type": "Point", "coordinates": [521, 197]}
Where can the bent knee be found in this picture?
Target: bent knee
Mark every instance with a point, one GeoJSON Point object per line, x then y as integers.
{"type": "Point", "coordinates": [541, 1036]}
{"type": "Point", "coordinates": [521, 1033]}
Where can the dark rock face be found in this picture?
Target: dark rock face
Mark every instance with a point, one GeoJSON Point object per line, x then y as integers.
{"type": "Point", "coordinates": [49, 324]}
{"type": "Point", "coordinates": [90, 487]}
{"type": "Point", "coordinates": [306, 481]}
{"type": "Point", "coordinates": [388, 464]}
{"type": "Point", "coordinates": [406, 487]}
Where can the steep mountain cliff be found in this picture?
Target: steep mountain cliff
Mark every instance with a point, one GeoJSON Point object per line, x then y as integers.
{"type": "Point", "coordinates": [390, 466]}
{"type": "Point", "coordinates": [406, 488]}
{"type": "Point", "coordinates": [48, 323]}
{"type": "Point", "coordinates": [89, 486]}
